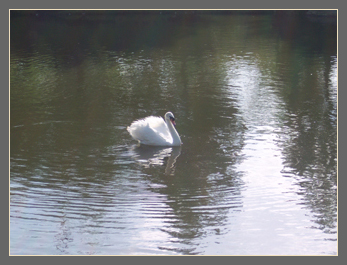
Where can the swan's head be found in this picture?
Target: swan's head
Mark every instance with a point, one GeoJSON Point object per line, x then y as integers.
{"type": "Point", "coordinates": [171, 117]}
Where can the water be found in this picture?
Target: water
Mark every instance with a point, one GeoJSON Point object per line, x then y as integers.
{"type": "Point", "coordinates": [255, 97]}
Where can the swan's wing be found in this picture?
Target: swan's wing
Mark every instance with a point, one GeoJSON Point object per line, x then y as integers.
{"type": "Point", "coordinates": [159, 125]}
{"type": "Point", "coordinates": [150, 130]}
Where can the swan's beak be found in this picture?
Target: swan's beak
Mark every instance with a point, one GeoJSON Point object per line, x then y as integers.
{"type": "Point", "coordinates": [173, 121]}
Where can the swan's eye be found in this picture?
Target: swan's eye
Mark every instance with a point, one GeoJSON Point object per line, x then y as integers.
{"type": "Point", "coordinates": [172, 119]}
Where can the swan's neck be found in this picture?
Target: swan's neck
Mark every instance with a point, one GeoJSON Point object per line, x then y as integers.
{"type": "Point", "coordinates": [175, 137]}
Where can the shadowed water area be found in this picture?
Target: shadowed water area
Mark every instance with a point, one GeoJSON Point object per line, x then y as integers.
{"type": "Point", "coordinates": [254, 95]}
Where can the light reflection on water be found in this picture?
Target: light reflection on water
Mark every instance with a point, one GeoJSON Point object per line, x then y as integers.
{"type": "Point", "coordinates": [256, 174]}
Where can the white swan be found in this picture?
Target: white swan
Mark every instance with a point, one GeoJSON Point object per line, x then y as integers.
{"type": "Point", "coordinates": [155, 131]}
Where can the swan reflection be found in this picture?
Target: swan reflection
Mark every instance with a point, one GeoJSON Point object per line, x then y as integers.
{"type": "Point", "coordinates": [149, 156]}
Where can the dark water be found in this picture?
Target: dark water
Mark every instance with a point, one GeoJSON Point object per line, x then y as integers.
{"type": "Point", "coordinates": [255, 97]}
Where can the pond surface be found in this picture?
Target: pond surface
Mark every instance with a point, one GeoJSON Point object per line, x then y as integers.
{"type": "Point", "coordinates": [255, 101]}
